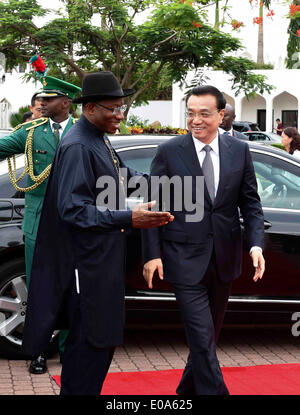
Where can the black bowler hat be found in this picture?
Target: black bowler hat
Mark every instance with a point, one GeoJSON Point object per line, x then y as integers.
{"type": "Point", "coordinates": [101, 85]}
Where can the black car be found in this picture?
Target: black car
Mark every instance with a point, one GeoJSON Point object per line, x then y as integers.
{"type": "Point", "coordinates": [243, 126]}
{"type": "Point", "coordinates": [271, 300]}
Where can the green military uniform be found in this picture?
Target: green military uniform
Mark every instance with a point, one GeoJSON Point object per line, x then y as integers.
{"type": "Point", "coordinates": [41, 153]}
{"type": "Point", "coordinates": [43, 150]}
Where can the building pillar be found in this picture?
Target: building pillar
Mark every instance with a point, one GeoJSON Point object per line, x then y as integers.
{"type": "Point", "coordinates": [269, 114]}
{"type": "Point", "coordinates": [238, 108]}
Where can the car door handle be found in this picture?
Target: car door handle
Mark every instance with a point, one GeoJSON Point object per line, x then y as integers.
{"type": "Point", "coordinates": [267, 224]}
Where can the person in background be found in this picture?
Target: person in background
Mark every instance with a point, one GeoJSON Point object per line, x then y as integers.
{"type": "Point", "coordinates": [279, 127]}
{"type": "Point", "coordinates": [290, 139]}
{"type": "Point", "coordinates": [226, 124]}
{"type": "Point", "coordinates": [35, 109]}
{"type": "Point", "coordinates": [27, 116]}
{"type": "Point", "coordinates": [36, 106]}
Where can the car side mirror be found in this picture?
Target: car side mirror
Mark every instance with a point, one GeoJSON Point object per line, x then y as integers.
{"type": "Point", "coordinates": [10, 209]}
{"type": "Point", "coordinates": [6, 210]}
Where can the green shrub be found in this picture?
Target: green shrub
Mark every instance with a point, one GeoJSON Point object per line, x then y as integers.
{"type": "Point", "coordinates": [264, 66]}
{"type": "Point", "coordinates": [124, 129]}
{"type": "Point", "coordinates": [134, 120]}
{"type": "Point", "coordinates": [278, 145]}
{"type": "Point", "coordinates": [16, 117]}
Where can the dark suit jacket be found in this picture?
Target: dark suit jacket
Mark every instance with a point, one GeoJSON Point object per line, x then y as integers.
{"type": "Point", "coordinates": [74, 234]}
{"type": "Point", "coordinates": [242, 136]}
{"type": "Point", "coordinates": [187, 247]}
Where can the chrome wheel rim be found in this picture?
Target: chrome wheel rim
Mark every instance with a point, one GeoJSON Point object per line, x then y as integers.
{"type": "Point", "coordinates": [13, 302]}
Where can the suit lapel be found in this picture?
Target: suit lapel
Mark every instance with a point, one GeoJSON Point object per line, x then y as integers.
{"type": "Point", "coordinates": [188, 154]}
{"type": "Point", "coordinates": [225, 154]}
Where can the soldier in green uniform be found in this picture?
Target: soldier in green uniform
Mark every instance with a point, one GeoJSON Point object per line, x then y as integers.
{"type": "Point", "coordinates": [38, 140]}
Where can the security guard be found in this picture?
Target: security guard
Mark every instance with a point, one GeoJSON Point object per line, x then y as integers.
{"type": "Point", "coordinates": [38, 140]}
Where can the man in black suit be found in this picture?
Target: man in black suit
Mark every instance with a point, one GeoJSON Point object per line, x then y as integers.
{"type": "Point", "coordinates": [226, 124]}
{"type": "Point", "coordinates": [201, 259]}
{"type": "Point", "coordinates": [80, 250]}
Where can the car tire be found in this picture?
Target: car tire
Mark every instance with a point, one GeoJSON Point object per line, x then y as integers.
{"type": "Point", "coordinates": [13, 301]}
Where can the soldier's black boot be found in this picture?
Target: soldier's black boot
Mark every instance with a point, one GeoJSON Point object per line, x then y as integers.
{"type": "Point", "coordinates": [38, 365]}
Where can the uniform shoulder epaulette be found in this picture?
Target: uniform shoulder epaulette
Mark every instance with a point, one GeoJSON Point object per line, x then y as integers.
{"type": "Point", "coordinates": [31, 123]}
{"type": "Point", "coordinates": [17, 128]}
{"type": "Point", "coordinates": [36, 123]}
{"type": "Point", "coordinates": [75, 120]}
{"type": "Point", "coordinates": [21, 125]}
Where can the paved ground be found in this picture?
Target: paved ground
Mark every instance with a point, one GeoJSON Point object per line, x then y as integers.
{"type": "Point", "coordinates": [163, 349]}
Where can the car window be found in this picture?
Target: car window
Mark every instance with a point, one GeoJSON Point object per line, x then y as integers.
{"type": "Point", "coordinates": [275, 137]}
{"type": "Point", "coordinates": [278, 181]}
{"type": "Point", "coordinates": [139, 158]}
{"type": "Point", "coordinates": [7, 190]}
{"type": "Point", "coordinates": [244, 126]}
{"type": "Point", "coordinates": [238, 127]}
{"type": "Point", "coordinates": [258, 137]}
{"type": "Point", "coordinates": [254, 127]}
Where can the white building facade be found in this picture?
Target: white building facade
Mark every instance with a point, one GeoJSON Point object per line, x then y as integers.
{"type": "Point", "coordinates": [283, 102]}
{"type": "Point", "coordinates": [154, 111]}
{"type": "Point", "coordinates": [14, 93]}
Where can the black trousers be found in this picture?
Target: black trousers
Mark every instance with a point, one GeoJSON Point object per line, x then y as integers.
{"type": "Point", "coordinates": [84, 366]}
{"type": "Point", "coordinates": [203, 308]}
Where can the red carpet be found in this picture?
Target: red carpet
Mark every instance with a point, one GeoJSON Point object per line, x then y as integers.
{"type": "Point", "coordinates": [249, 380]}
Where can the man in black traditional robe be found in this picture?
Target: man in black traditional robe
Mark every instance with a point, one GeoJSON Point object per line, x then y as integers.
{"type": "Point", "coordinates": [79, 267]}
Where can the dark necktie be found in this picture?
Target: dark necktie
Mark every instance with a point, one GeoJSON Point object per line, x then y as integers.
{"type": "Point", "coordinates": [56, 128]}
{"type": "Point", "coordinates": [226, 133]}
{"type": "Point", "coordinates": [208, 172]}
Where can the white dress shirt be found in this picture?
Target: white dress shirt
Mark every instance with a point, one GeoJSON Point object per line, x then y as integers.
{"type": "Point", "coordinates": [215, 157]}
{"type": "Point", "coordinates": [221, 131]}
{"type": "Point", "coordinates": [63, 125]}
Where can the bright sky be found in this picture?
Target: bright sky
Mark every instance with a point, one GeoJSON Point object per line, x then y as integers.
{"type": "Point", "coordinates": [275, 28]}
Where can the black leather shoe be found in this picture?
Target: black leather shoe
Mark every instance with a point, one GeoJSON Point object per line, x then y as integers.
{"type": "Point", "coordinates": [38, 365]}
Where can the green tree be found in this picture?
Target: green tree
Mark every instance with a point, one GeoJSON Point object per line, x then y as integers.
{"type": "Point", "coordinates": [262, 4]}
{"type": "Point", "coordinates": [260, 44]}
{"type": "Point", "coordinates": [16, 117]}
{"type": "Point", "coordinates": [218, 8]}
{"type": "Point", "coordinates": [89, 35]}
{"type": "Point", "coordinates": [293, 45]}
